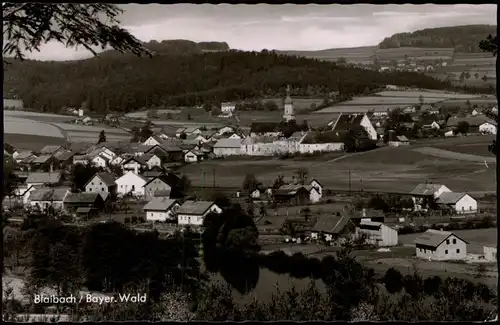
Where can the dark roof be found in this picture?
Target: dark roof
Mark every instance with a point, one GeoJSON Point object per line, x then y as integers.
{"type": "Point", "coordinates": [159, 204]}
{"type": "Point", "coordinates": [84, 210]}
{"type": "Point", "coordinates": [137, 159]}
{"type": "Point", "coordinates": [49, 194]}
{"type": "Point", "coordinates": [290, 190]}
{"type": "Point", "coordinates": [263, 127]}
{"type": "Point", "coordinates": [345, 122]}
{"type": "Point", "coordinates": [166, 146]}
{"type": "Point", "coordinates": [84, 197]}
{"type": "Point", "coordinates": [151, 173]}
{"type": "Point", "coordinates": [434, 238]}
{"type": "Point", "coordinates": [107, 178]}
{"type": "Point", "coordinates": [449, 197]}
{"type": "Point", "coordinates": [426, 189]}
{"type": "Point", "coordinates": [332, 224]}
{"type": "Point", "coordinates": [195, 207]}
{"type": "Point", "coordinates": [476, 120]}
{"type": "Point", "coordinates": [48, 178]}
{"type": "Point", "coordinates": [323, 137]}
{"type": "Point", "coordinates": [168, 178]}
{"type": "Point", "coordinates": [42, 159]}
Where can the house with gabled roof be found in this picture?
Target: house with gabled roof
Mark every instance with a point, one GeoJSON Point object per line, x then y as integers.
{"type": "Point", "coordinates": [131, 184]}
{"type": "Point", "coordinates": [315, 141]}
{"type": "Point", "coordinates": [169, 150]}
{"type": "Point", "coordinates": [83, 203]}
{"type": "Point", "coordinates": [64, 158]}
{"type": "Point", "coordinates": [344, 123]}
{"type": "Point", "coordinates": [377, 233]}
{"type": "Point", "coordinates": [329, 228]}
{"type": "Point", "coordinates": [165, 183]}
{"type": "Point", "coordinates": [193, 155]}
{"type": "Point", "coordinates": [103, 183]}
{"type": "Point", "coordinates": [135, 164]}
{"type": "Point", "coordinates": [45, 197]}
{"type": "Point", "coordinates": [51, 150]}
{"type": "Point", "coordinates": [440, 246]}
{"type": "Point", "coordinates": [426, 194]}
{"type": "Point", "coordinates": [227, 147]}
{"type": "Point", "coordinates": [192, 213]}
{"type": "Point", "coordinates": [161, 209]}
{"type": "Point", "coordinates": [459, 203]}
{"type": "Point", "coordinates": [45, 179]}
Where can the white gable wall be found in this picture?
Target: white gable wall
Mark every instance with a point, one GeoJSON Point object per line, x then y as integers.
{"type": "Point", "coordinates": [365, 122]}
{"type": "Point", "coordinates": [130, 182]}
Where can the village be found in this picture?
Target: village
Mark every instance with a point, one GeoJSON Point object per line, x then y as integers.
{"type": "Point", "coordinates": [136, 183]}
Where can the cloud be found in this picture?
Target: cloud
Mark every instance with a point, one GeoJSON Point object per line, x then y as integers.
{"type": "Point", "coordinates": [285, 27]}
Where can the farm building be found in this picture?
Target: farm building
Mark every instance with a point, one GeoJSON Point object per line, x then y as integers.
{"type": "Point", "coordinates": [102, 183]}
{"type": "Point", "coordinates": [330, 228]}
{"type": "Point", "coordinates": [65, 158]}
{"type": "Point", "coordinates": [134, 164]}
{"type": "Point", "coordinates": [378, 233]}
{"type": "Point", "coordinates": [490, 253]}
{"type": "Point", "coordinates": [51, 179]}
{"type": "Point", "coordinates": [398, 141]}
{"type": "Point", "coordinates": [321, 142]}
{"type": "Point", "coordinates": [292, 194]}
{"type": "Point", "coordinates": [227, 108]}
{"type": "Point", "coordinates": [153, 141]}
{"type": "Point", "coordinates": [227, 147]}
{"type": "Point", "coordinates": [83, 203]}
{"type": "Point", "coordinates": [488, 127]}
{"type": "Point", "coordinates": [440, 246]}
{"type": "Point", "coordinates": [317, 185]}
{"type": "Point", "coordinates": [131, 183]}
{"type": "Point", "coordinates": [434, 125]}
{"type": "Point", "coordinates": [45, 198]}
{"type": "Point", "coordinates": [264, 145]}
{"type": "Point", "coordinates": [425, 194]}
{"type": "Point", "coordinates": [193, 156]}
{"type": "Point", "coordinates": [193, 212]}
{"type": "Point", "coordinates": [164, 183]}
{"type": "Point", "coordinates": [345, 122]}
{"type": "Point", "coordinates": [51, 150]}
{"type": "Point", "coordinates": [161, 209]}
{"type": "Point", "coordinates": [461, 203]}
{"type": "Point", "coordinates": [150, 174]}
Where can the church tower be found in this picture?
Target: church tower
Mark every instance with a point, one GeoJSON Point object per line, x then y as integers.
{"type": "Point", "coordinates": [288, 114]}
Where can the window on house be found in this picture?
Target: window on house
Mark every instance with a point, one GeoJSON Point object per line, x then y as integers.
{"type": "Point", "coordinates": [447, 241]}
{"type": "Point", "coordinates": [463, 208]}
{"type": "Point", "coordinates": [470, 208]}
{"type": "Point", "coordinates": [446, 251]}
{"type": "Point", "coordinates": [102, 189]}
{"type": "Point", "coordinates": [458, 251]}
{"type": "Point", "coordinates": [454, 241]}
{"type": "Point", "coordinates": [92, 183]}
{"type": "Point", "coordinates": [100, 183]}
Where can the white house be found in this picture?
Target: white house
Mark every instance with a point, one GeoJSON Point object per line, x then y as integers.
{"type": "Point", "coordinates": [234, 136]}
{"type": "Point", "coordinates": [118, 160]}
{"type": "Point", "coordinates": [227, 147]}
{"type": "Point", "coordinates": [227, 108]}
{"type": "Point", "coordinates": [152, 141]}
{"type": "Point", "coordinates": [440, 246]}
{"type": "Point", "coordinates": [461, 203]}
{"type": "Point", "coordinates": [421, 192]}
{"type": "Point", "coordinates": [345, 122]}
{"type": "Point", "coordinates": [102, 183]}
{"type": "Point", "coordinates": [106, 152]}
{"type": "Point", "coordinates": [193, 212]}
{"type": "Point", "coordinates": [433, 125]}
{"type": "Point", "coordinates": [161, 209]}
{"type": "Point", "coordinates": [488, 128]}
{"type": "Point", "coordinates": [193, 156]}
{"type": "Point", "coordinates": [151, 160]}
{"type": "Point", "coordinates": [100, 161]}
{"type": "Point", "coordinates": [319, 188]}
{"type": "Point", "coordinates": [490, 253]}
{"type": "Point", "coordinates": [314, 195]}
{"type": "Point", "coordinates": [43, 179]}
{"type": "Point", "coordinates": [378, 233]}
{"type": "Point", "coordinates": [399, 140]}
{"type": "Point", "coordinates": [475, 112]}
{"type": "Point", "coordinates": [134, 164]}
{"type": "Point", "coordinates": [131, 183]}
{"type": "Point", "coordinates": [45, 197]}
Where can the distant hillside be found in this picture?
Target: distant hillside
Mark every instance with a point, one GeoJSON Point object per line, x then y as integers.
{"type": "Point", "coordinates": [124, 83]}
{"type": "Point", "coordinates": [176, 47]}
{"type": "Point", "coordinates": [462, 38]}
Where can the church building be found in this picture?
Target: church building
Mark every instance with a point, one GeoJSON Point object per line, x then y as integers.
{"type": "Point", "coordinates": [288, 114]}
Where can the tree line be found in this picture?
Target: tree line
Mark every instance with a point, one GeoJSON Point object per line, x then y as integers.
{"type": "Point", "coordinates": [129, 83]}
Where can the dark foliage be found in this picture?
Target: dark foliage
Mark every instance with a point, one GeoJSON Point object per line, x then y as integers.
{"type": "Point", "coordinates": [393, 280]}
{"type": "Point", "coordinates": [187, 80]}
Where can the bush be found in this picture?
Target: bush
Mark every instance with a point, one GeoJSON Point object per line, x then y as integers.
{"type": "Point", "coordinates": [134, 219]}
{"type": "Point", "coordinates": [127, 220]}
{"type": "Point", "coordinates": [393, 280]}
{"type": "Point", "coordinates": [141, 219]}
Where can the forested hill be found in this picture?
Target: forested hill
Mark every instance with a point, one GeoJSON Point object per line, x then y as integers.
{"type": "Point", "coordinates": [462, 38]}
{"type": "Point", "coordinates": [123, 83]}
{"type": "Point", "coordinates": [177, 47]}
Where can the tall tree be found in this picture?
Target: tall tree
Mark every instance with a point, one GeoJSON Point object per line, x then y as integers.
{"type": "Point", "coordinates": [302, 174]}
{"type": "Point", "coordinates": [490, 44]}
{"type": "Point", "coordinates": [250, 183]}
{"type": "Point", "coordinates": [27, 26]}
{"type": "Point", "coordinates": [102, 137]}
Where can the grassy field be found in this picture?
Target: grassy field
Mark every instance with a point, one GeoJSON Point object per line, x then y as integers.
{"type": "Point", "coordinates": [36, 116]}
{"type": "Point", "coordinates": [464, 156]}
{"type": "Point", "coordinates": [385, 169]}
{"type": "Point", "coordinates": [424, 94]}
{"type": "Point", "coordinates": [31, 142]}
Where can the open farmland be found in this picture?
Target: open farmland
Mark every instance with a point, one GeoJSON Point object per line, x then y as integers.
{"type": "Point", "coordinates": [455, 155]}
{"type": "Point", "coordinates": [425, 94]}
{"type": "Point", "coordinates": [144, 114]}
{"type": "Point", "coordinates": [36, 116]}
{"type": "Point", "coordinates": [385, 169]}
{"type": "Point", "coordinates": [299, 104]}
{"type": "Point", "coordinates": [14, 125]}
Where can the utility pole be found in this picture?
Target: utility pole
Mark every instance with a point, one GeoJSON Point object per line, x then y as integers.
{"type": "Point", "coordinates": [349, 180]}
{"type": "Point", "coordinates": [361, 183]}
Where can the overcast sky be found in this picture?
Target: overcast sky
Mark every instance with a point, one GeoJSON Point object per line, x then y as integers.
{"type": "Point", "coordinates": [282, 27]}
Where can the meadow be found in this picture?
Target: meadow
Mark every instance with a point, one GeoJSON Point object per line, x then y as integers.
{"type": "Point", "coordinates": [384, 169]}
{"type": "Point", "coordinates": [425, 94]}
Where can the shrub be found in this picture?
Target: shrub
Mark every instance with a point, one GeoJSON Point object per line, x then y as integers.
{"type": "Point", "coordinates": [127, 220]}
{"type": "Point", "coordinates": [134, 219]}
{"type": "Point", "coordinates": [393, 280]}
